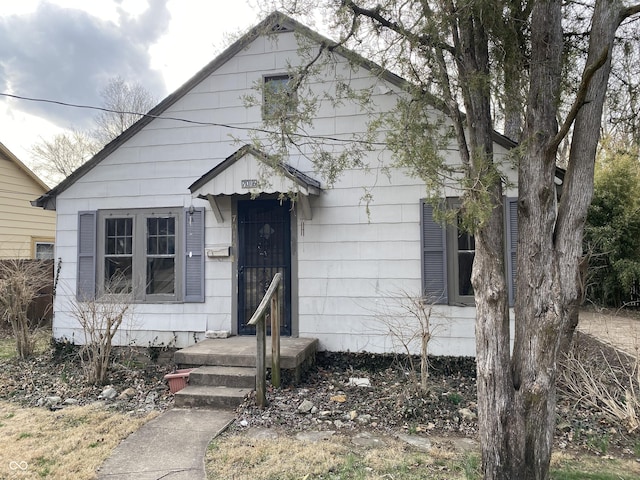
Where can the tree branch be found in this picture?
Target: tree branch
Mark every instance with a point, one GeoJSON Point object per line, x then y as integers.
{"type": "Point", "coordinates": [629, 11]}
{"type": "Point", "coordinates": [587, 75]}
{"type": "Point", "coordinates": [374, 14]}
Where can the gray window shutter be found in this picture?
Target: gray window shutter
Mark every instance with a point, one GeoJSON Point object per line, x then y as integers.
{"type": "Point", "coordinates": [512, 243]}
{"type": "Point", "coordinates": [86, 286]}
{"type": "Point", "coordinates": [194, 255]}
{"type": "Point", "coordinates": [434, 258]}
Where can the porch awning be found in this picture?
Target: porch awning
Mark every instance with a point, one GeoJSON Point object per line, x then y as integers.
{"type": "Point", "coordinates": [249, 170]}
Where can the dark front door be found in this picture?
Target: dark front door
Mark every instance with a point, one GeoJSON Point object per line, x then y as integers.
{"type": "Point", "coordinates": [264, 248]}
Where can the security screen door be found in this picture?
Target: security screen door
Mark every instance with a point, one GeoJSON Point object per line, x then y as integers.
{"type": "Point", "coordinates": [264, 248]}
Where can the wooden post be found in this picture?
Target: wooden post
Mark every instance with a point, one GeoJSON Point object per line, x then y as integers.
{"type": "Point", "coordinates": [275, 339]}
{"type": "Point", "coordinates": [259, 321]}
{"type": "Point", "coordinates": [261, 370]}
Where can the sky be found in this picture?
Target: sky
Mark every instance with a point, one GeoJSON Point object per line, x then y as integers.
{"type": "Point", "coordinates": [67, 50]}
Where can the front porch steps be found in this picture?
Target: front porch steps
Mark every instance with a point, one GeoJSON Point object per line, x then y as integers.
{"type": "Point", "coordinates": [224, 369]}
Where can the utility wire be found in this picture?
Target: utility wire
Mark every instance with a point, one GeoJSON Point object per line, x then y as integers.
{"type": "Point", "coordinates": [186, 120]}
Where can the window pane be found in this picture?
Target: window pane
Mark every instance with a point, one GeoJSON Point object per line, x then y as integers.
{"type": "Point", "coordinates": [160, 276]}
{"type": "Point", "coordinates": [44, 251]}
{"type": "Point", "coordinates": [162, 245]}
{"type": "Point", "coordinates": [279, 99]}
{"type": "Point", "coordinates": [118, 275]}
{"type": "Point", "coordinates": [152, 226]}
{"type": "Point", "coordinates": [152, 246]}
{"type": "Point", "coordinates": [162, 226]}
{"type": "Point", "coordinates": [465, 264]}
{"type": "Point", "coordinates": [466, 242]}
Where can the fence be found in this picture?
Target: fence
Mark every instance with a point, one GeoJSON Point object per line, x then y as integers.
{"type": "Point", "coordinates": [40, 311]}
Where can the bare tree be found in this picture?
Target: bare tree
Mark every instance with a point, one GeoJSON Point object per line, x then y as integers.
{"type": "Point", "coordinates": [453, 48]}
{"type": "Point", "coordinates": [125, 102]}
{"type": "Point", "coordinates": [59, 157]}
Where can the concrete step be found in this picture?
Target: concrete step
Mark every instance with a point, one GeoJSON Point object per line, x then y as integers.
{"type": "Point", "coordinates": [203, 396]}
{"type": "Point", "coordinates": [238, 377]}
{"type": "Point", "coordinates": [241, 352]}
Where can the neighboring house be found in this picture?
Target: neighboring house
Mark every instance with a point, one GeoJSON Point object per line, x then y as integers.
{"type": "Point", "coordinates": [165, 214]}
{"type": "Point", "coordinates": [25, 231]}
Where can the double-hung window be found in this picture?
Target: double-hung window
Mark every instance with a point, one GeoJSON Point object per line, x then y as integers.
{"type": "Point", "coordinates": [138, 251]}
{"type": "Point", "coordinates": [153, 255]}
{"type": "Point", "coordinates": [448, 253]}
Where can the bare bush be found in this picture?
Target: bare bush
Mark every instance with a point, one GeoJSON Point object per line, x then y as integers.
{"type": "Point", "coordinates": [100, 319]}
{"type": "Point", "coordinates": [21, 282]}
{"type": "Point", "coordinates": [610, 384]}
{"type": "Point", "coordinates": [408, 323]}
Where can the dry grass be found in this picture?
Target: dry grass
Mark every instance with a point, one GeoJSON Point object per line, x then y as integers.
{"type": "Point", "coordinates": [238, 457]}
{"type": "Point", "coordinates": [8, 344]}
{"type": "Point", "coordinates": [565, 466]}
{"type": "Point", "coordinates": [66, 444]}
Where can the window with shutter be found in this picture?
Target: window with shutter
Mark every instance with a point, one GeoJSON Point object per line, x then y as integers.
{"type": "Point", "coordinates": [154, 255]}
{"type": "Point", "coordinates": [448, 253]}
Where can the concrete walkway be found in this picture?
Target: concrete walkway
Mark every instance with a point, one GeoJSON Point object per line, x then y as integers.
{"type": "Point", "coordinates": [172, 446]}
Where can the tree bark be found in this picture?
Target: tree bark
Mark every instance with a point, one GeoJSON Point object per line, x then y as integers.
{"type": "Point", "coordinates": [538, 318]}
{"type": "Point", "coordinates": [550, 244]}
{"type": "Point", "coordinates": [495, 389]}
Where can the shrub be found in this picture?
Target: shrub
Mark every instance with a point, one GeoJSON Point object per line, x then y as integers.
{"type": "Point", "coordinates": [21, 282]}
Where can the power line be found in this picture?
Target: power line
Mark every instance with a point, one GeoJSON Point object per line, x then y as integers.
{"type": "Point", "coordinates": [186, 120]}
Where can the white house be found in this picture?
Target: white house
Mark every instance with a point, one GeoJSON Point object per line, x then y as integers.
{"type": "Point", "coordinates": [177, 214]}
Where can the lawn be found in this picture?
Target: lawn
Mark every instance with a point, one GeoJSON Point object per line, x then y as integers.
{"type": "Point", "coordinates": [337, 457]}
{"type": "Point", "coordinates": [66, 444]}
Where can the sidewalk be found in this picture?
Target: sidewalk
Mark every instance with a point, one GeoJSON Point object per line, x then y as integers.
{"type": "Point", "coordinates": [172, 446]}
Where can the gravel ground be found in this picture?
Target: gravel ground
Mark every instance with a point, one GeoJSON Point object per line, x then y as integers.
{"type": "Point", "coordinates": [330, 398]}
{"type": "Point", "coordinates": [55, 379]}
{"type": "Point", "coordinates": [349, 393]}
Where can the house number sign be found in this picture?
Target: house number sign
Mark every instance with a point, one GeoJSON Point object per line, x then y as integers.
{"type": "Point", "coordinates": [252, 183]}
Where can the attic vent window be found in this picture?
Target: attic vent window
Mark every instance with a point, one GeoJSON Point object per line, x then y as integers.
{"type": "Point", "coordinates": [279, 28]}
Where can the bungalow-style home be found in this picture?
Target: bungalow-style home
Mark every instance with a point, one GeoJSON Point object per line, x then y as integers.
{"type": "Point", "coordinates": [25, 232]}
{"type": "Point", "coordinates": [191, 218]}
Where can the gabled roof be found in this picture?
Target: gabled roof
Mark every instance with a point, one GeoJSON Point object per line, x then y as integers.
{"type": "Point", "coordinates": [5, 152]}
{"type": "Point", "coordinates": [276, 22]}
{"type": "Point", "coordinates": [294, 176]}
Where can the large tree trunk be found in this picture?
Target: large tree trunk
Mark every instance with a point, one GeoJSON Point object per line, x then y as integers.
{"type": "Point", "coordinates": [494, 385]}
{"type": "Point", "coordinates": [550, 238]}
{"type": "Point", "coordinates": [538, 317]}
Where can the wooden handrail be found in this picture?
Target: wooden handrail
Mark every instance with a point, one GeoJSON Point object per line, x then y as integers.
{"type": "Point", "coordinates": [257, 319]}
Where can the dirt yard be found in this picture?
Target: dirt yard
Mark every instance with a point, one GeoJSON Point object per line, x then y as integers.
{"type": "Point", "coordinates": [621, 332]}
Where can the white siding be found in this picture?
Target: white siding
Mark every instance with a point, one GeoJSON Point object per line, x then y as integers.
{"type": "Point", "coordinates": [352, 260]}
